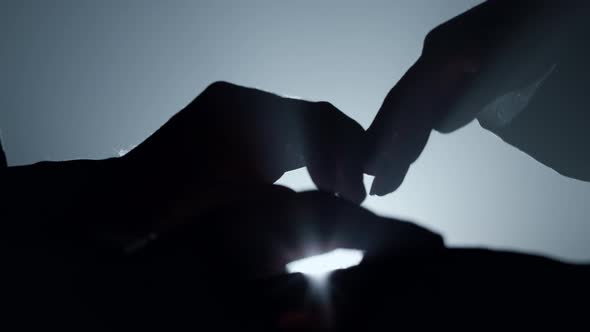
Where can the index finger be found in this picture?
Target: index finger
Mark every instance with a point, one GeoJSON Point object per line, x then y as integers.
{"type": "Point", "coordinates": [334, 152]}
{"type": "Point", "coordinates": [412, 108]}
{"type": "Point", "coordinates": [399, 132]}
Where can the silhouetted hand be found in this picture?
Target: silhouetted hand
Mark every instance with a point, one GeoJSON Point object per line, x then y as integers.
{"type": "Point", "coordinates": [210, 169]}
{"type": "Point", "coordinates": [225, 142]}
{"type": "Point", "coordinates": [233, 134]}
{"type": "Point", "coordinates": [258, 230]}
{"type": "Point", "coordinates": [466, 63]}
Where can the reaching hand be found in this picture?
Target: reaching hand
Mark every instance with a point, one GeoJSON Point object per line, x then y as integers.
{"type": "Point", "coordinates": [466, 63]}
{"type": "Point", "coordinates": [233, 134]}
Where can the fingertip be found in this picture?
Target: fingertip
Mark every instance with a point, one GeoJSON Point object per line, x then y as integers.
{"type": "Point", "coordinates": [379, 189]}
{"type": "Point", "coordinates": [342, 178]}
{"type": "Point", "coordinates": [322, 176]}
{"type": "Point", "coordinates": [350, 185]}
{"type": "Point", "coordinates": [355, 193]}
{"type": "Point", "coordinates": [387, 183]}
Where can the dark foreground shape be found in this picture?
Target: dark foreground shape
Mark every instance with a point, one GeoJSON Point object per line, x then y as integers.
{"type": "Point", "coordinates": [71, 260]}
{"type": "Point", "coordinates": [55, 275]}
{"type": "Point", "coordinates": [454, 288]}
{"type": "Point", "coordinates": [181, 281]}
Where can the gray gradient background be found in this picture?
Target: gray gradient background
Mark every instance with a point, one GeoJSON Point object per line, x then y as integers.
{"type": "Point", "coordinates": [84, 79]}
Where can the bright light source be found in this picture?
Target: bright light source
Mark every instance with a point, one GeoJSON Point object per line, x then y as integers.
{"type": "Point", "coordinates": [320, 265]}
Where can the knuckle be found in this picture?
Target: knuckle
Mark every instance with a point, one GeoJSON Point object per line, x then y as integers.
{"type": "Point", "coordinates": [216, 92]}
{"type": "Point", "coordinates": [327, 111]}
{"type": "Point", "coordinates": [325, 104]}
{"type": "Point", "coordinates": [219, 86]}
{"type": "Point", "coordinates": [436, 41]}
{"type": "Point", "coordinates": [432, 35]}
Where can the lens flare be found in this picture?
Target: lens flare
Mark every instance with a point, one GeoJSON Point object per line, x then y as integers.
{"type": "Point", "coordinates": [321, 265]}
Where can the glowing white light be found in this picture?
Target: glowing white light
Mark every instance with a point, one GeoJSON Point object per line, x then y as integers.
{"type": "Point", "coordinates": [320, 265]}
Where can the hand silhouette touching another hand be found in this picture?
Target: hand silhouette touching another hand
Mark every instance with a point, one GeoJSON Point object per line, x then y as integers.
{"type": "Point", "coordinates": [206, 177]}
{"type": "Point", "coordinates": [233, 134]}
{"type": "Point", "coordinates": [468, 62]}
